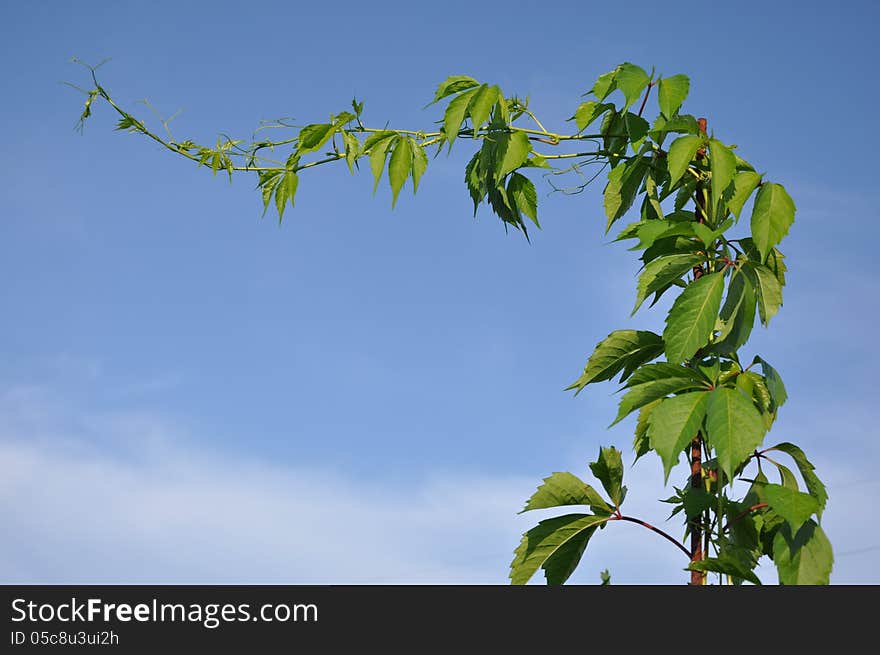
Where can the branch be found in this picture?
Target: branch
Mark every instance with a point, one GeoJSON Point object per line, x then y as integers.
{"type": "Point", "coordinates": [645, 524]}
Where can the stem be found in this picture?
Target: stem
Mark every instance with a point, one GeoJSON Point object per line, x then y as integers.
{"type": "Point", "coordinates": [742, 515]}
{"type": "Point", "coordinates": [645, 99]}
{"type": "Point", "coordinates": [645, 524]}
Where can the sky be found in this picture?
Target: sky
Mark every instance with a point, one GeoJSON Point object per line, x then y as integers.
{"type": "Point", "coordinates": [190, 393]}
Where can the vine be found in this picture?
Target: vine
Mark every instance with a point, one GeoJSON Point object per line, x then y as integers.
{"type": "Point", "coordinates": [692, 392]}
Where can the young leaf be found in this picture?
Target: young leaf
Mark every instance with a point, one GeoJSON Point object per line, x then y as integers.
{"type": "Point", "coordinates": [680, 154]}
{"type": "Point", "coordinates": [399, 166]}
{"type": "Point", "coordinates": [772, 215]}
{"type": "Point", "coordinates": [692, 317]}
{"type": "Point", "coordinates": [511, 151]}
{"type": "Point", "coordinates": [636, 127]}
{"type": "Point", "coordinates": [664, 370]}
{"type": "Point", "coordinates": [622, 350]}
{"type": "Point", "coordinates": [588, 112]}
{"type": "Point", "coordinates": [378, 155]}
{"type": "Point", "coordinates": [722, 163]}
{"type": "Point", "coordinates": [673, 424]}
{"type": "Point", "coordinates": [662, 272]}
{"type": "Point", "coordinates": [481, 104]}
{"type": "Point", "coordinates": [605, 84]}
{"type": "Point", "coordinates": [774, 382]}
{"type": "Point", "coordinates": [312, 137]}
{"type": "Point", "coordinates": [631, 80]}
{"type": "Point", "coordinates": [734, 427]}
{"type": "Point", "coordinates": [566, 489]}
{"type": "Point", "coordinates": [727, 565]}
{"type": "Point", "coordinates": [792, 505]}
{"type": "Point", "coordinates": [456, 110]}
{"type": "Point", "coordinates": [454, 84]}
{"type": "Point", "coordinates": [608, 469]}
{"type": "Point", "coordinates": [547, 538]}
{"type": "Point", "coordinates": [803, 558]}
{"type": "Point", "coordinates": [419, 163]}
{"type": "Point", "coordinates": [521, 190]}
{"type": "Point", "coordinates": [807, 471]}
{"type": "Point", "coordinates": [671, 92]}
{"type": "Point", "coordinates": [737, 315]}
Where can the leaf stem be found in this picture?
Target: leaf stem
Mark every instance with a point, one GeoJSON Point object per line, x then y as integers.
{"type": "Point", "coordinates": [645, 524]}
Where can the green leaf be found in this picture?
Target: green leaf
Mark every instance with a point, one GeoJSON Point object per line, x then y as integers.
{"type": "Point", "coordinates": [454, 84]}
{"type": "Point", "coordinates": [608, 469]}
{"type": "Point", "coordinates": [566, 489]}
{"type": "Point", "coordinates": [662, 272]}
{"type": "Point", "coordinates": [774, 382]}
{"type": "Point", "coordinates": [636, 127]}
{"type": "Point", "coordinates": [631, 80]}
{"type": "Point", "coordinates": [419, 163]}
{"type": "Point", "coordinates": [605, 84]}
{"type": "Point", "coordinates": [641, 443]}
{"type": "Point", "coordinates": [743, 185]}
{"type": "Point", "coordinates": [734, 427]}
{"type": "Point", "coordinates": [456, 110]}
{"type": "Point", "coordinates": [622, 350]}
{"type": "Point", "coordinates": [673, 424]}
{"type": "Point", "coordinates": [664, 370]}
{"type": "Point", "coordinates": [727, 565]}
{"type": "Point", "coordinates": [722, 163]}
{"type": "Point", "coordinates": [772, 215]}
{"type": "Point", "coordinates": [548, 538]}
{"type": "Point", "coordinates": [692, 317]}
{"type": "Point", "coordinates": [521, 190]}
{"type": "Point", "coordinates": [352, 149]}
{"type": "Point", "coordinates": [481, 103]}
{"type": "Point", "coordinates": [378, 155]}
{"type": "Point", "coordinates": [805, 558]}
{"type": "Point", "coordinates": [475, 181]}
{"type": "Point", "coordinates": [511, 152]}
{"type": "Point", "coordinates": [807, 471]}
{"type": "Point", "coordinates": [737, 317]}
{"type": "Point", "coordinates": [641, 394]}
{"type": "Point", "coordinates": [312, 137]}
{"type": "Point", "coordinates": [285, 190]}
{"type": "Point", "coordinates": [588, 112]}
{"type": "Point", "coordinates": [792, 505]}
{"type": "Point", "coordinates": [767, 290]}
{"type": "Point", "coordinates": [671, 92]}
{"type": "Point", "coordinates": [680, 154]}
{"type": "Point", "coordinates": [399, 166]}
{"type": "Point", "coordinates": [623, 185]}
{"type": "Point", "coordinates": [268, 180]}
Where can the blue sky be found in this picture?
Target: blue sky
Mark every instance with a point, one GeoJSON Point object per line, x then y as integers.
{"type": "Point", "coordinates": [189, 393]}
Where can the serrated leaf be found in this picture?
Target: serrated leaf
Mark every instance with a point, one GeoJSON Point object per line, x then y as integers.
{"type": "Point", "coordinates": [378, 155]}
{"type": "Point", "coordinates": [807, 471]}
{"type": "Point", "coordinates": [621, 351]}
{"type": "Point", "coordinates": [792, 505]}
{"type": "Point", "coordinates": [631, 80]}
{"type": "Point", "coordinates": [481, 104]}
{"type": "Point", "coordinates": [737, 316]}
{"type": "Point", "coordinates": [671, 92]}
{"type": "Point", "coordinates": [623, 185]}
{"type": "Point", "coordinates": [511, 151]}
{"type": "Point", "coordinates": [636, 127]}
{"type": "Point", "coordinates": [454, 115]}
{"type": "Point", "coordinates": [772, 215]}
{"type": "Point", "coordinates": [743, 185]}
{"type": "Point", "coordinates": [664, 370]}
{"type": "Point", "coordinates": [680, 154]}
{"type": "Point", "coordinates": [722, 164]}
{"type": "Point", "coordinates": [566, 489]}
{"type": "Point", "coordinates": [588, 112]}
{"type": "Point", "coordinates": [804, 557]}
{"type": "Point", "coordinates": [662, 272]}
{"type": "Point", "coordinates": [727, 565]}
{"type": "Point", "coordinates": [641, 394]}
{"type": "Point", "coordinates": [419, 163]}
{"type": "Point", "coordinates": [542, 542]}
{"type": "Point", "coordinates": [692, 317]}
{"type": "Point", "coordinates": [641, 443]}
{"type": "Point", "coordinates": [604, 85]}
{"type": "Point", "coordinates": [734, 428]}
{"type": "Point", "coordinates": [285, 191]}
{"type": "Point", "coordinates": [312, 137]}
{"type": "Point", "coordinates": [768, 291]}
{"type": "Point", "coordinates": [454, 84]}
{"type": "Point", "coordinates": [399, 166]}
{"type": "Point", "coordinates": [352, 149]}
{"type": "Point", "coordinates": [673, 424]}
{"type": "Point", "coordinates": [521, 190]}
{"type": "Point", "coordinates": [475, 181]}
{"type": "Point", "coordinates": [774, 382]}
{"type": "Point", "coordinates": [608, 469]}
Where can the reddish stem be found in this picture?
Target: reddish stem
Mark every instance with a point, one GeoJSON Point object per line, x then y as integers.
{"type": "Point", "coordinates": [645, 524]}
